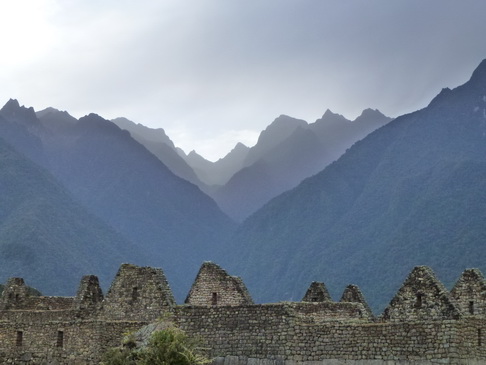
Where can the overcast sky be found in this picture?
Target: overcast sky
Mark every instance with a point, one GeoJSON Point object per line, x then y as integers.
{"type": "Point", "coordinates": [215, 72]}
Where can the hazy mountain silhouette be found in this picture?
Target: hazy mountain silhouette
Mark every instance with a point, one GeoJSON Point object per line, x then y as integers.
{"type": "Point", "coordinates": [20, 128]}
{"type": "Point", "coordinates": [118, 180]}
{"type": "Point", "coordinates": [277, 132]}
{"type": "Point", "coordinates": [157, 142]}
{"type": "Point", "coordinates": [288, 151]}
{"type": "Point", "coordinates": [219, 172]}
{"type": "Point", "coordinates": [47, 238]}
{"type": "Point", "coordinates": [55, 120]}
{"type": "Point", "coordinates": [411, 193]}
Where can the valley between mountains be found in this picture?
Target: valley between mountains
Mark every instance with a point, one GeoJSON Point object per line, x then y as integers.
{"type": "Point", "coordinates": [337, 201]}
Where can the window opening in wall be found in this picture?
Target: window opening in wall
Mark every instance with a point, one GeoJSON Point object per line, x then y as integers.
{"type": "Point", "coordinates": [134, 294]}
{"type": "Point", "coordinates": [419, 301]}
{"type": "Point", "coordinates": [20, 337]}
{"type": "Point", "coordinates": [480, 343]}
{"type": "Point", "coordinates": [60, 339]}
{"type": "Point", "coordinates": [315, 299]}
{"type": "Point", "coordinates": [214, 299]}
{"type": "Point", "coordinates": [471, 307]}
{"type": "Point", "coordinates": [17, 297]}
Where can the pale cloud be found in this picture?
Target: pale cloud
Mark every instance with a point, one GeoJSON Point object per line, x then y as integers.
{"type": "Point", "coordinates": [221, 66]}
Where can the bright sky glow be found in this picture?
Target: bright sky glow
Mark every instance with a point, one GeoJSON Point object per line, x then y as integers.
{"type": "Point", "coordinates": [214, 72]}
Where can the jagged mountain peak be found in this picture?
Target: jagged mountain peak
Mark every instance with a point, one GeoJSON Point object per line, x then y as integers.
{"type": "Point", "coordinates": [412, 192]}
{"type": "Point", "coordinates": [194, 157]}
{"type": "Point", "coordinates": [193, 154]}
{"type": "Point", "coordinates": [94, 121]}
{"type": "Point", "coordinates": [328, 114]}
{"type": "Point", "coordinates": [238, 149]}
{"type": "Point", "coordinates": [13, 111]}
{"type": "Point", "coordinates": [370, 113]}
{"type": "Point", "coordinates": [51, 112]}
{"type": "Point", "coordinates": [330, 117]}
{"type": "Point", "coordinates": [11, 104]}
{"type": "Point", "coordinates": [479, 74]}
{"type": "Point", "coordinates": [144, 132]}
{"type": "Point", "coordinates": [281, 128]}
{"type": "Point", "coordinates": [283, 121]}
{"type": "Point", "coordinates": [240, 146]}
{"type": "Point", "coordinates": [444, 93]}
{"type": "Point", "coordinates": [50, 109]}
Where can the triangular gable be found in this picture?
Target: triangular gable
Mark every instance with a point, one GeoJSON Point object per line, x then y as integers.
{"type": "Point", "coordinates": [213, 286]}
{"type": "Point", "coordinates": [138, 292]}
{"type": "Point", "coordinates": [14, 295]}
{"type": "Point", "coordinates": [89, 295]}
{"type": "Point", "coordinates": [317, 292]}
{"type": "Point", "coordinates": [421, 297]}
{"type": "Point", "coordinates": [469, 292]}
{"type": "Point", "coordinates": [352, 294]}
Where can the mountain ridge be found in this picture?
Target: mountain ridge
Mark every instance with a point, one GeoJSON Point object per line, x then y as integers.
{"type": "Point", "coordinates": [410, 193]}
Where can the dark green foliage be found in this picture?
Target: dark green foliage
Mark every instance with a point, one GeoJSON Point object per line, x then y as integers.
{"type": "Point", "coordinates": [120, 181]}
{"type": "Point", "coordinates": [129, 194]}
{"type": "Point", "coordinates": [47, 238]}
{"type": "Point", "coordinates": [411, 193]}
{"type": "Point", "coordinates": [167, 347]}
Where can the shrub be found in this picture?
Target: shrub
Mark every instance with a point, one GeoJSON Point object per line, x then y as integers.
{"type": "Point", "coordinates": [167, 347]}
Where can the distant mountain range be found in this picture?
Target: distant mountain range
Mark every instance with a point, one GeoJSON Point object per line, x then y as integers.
{"type": "Point", "coordinates": [122, 186]}
{"type": "Point", "coordinates": [48, 238]}
{"type": "Point", "coordinates": [288, 151]}
{"type": "Point", "coordinates": [411, 193]}
{"type": "Point", "coordinates": [337, 201]}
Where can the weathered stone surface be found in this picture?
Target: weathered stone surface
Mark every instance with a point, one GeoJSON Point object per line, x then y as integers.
{"type": "Point", "coordinates": [138, 293]}
{"type": "Point", "coordinates": [422, 297]}
{"type": "Point", "coordinates": [52, 330]}
{"type": "Point", "coordinates": [213, 286]}
{"type": "Point", "coordinates": [317, 292]}
{"type": "Point", "coordinates": [352, 294]}
{"type": "Point", "coordinates": [469, 292]}
{"type": "Point", "coordinates": [89, 295]}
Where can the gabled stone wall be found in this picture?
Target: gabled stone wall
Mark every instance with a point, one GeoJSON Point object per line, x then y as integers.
{"type": "Point", "coordinates": [469, 293]}
{"type": "Point", "coordinates": [137, 293]}
{"type": "Point", "coordinates": [422, 297]}
{"type": "Point", "coordinates": [352, 294]}
{"type": "Point", "coordinates": [424, 323]}
{"type": "Point", "coordinates": [213, 286]}
{"type": "Point", "coordinates": [317, 292]}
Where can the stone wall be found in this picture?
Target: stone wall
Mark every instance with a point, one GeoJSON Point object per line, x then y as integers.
{"type": "Point", "coordinates": [469, 293]}
{"type": "Point", "coordinates": [284, 338]}
{"type": "Point", "coordinates": [138, 293]}
{"type": "Point", "coordinates": [60, 342]}
{"type": "Point", "coordinates": [213, 286]}
{"type": "Point", "coordinates": [422, 297]}
{"type": "Point", "coordinates": [424, 323]}
{"type": "Point", "coordinates": [317, 292]}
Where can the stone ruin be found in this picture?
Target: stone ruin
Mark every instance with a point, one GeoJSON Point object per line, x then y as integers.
{"type": "Point", "coordinates": [424, 323]}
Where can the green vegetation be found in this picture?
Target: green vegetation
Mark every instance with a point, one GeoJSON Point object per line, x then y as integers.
{"type": "Point", "coordinates": [411, 193]}
{"type": "Point", "coordinates": [45, 236]}
{"type": "Point", "coordinates": [167, 347]}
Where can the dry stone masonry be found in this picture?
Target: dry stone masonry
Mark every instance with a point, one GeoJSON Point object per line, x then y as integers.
{"type": "Point", "coordinates": [424, 323]}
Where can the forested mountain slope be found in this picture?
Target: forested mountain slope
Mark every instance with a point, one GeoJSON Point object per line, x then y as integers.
{"type": "Point", "coordinates": [173, 224]}
{"type": "Point", "coordinates": [46, 237]}
{"type": "Point", "coordinates": [411, 193]}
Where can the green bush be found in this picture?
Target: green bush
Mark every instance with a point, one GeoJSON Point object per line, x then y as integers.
{"type": "Point", "coordinates": [167, 347]}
